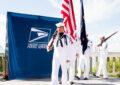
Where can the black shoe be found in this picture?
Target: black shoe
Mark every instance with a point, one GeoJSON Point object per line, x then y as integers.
{"type": "Point", "coordinates": [78, 78]}
{"type": "Point", "coordinates": [85, 78]}
{"type": "Point", "coordinates": [71, 82]}
{"type": "Point", "coordinates": [96, 76]}
{"type": "Point", "coordinates": [60, 82]}
{"type": "Point", "coordinates": [105, 78]}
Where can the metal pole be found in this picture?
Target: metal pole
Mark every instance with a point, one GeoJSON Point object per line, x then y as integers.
{"type": "Point", "coordinates": [113, 64]}
{"type": "Point", "coordinates": [5, 64]}
{"type": "Point", "coordinates": [108, 59]}
{"type": "Point", "coordinates": [119, 65]}
{"type": "Point", "coordinates": [96, 64]}
{"type": "Point", "coordinates": [0, 64]}
{"type": "Point", "coordinates": [90, 65]}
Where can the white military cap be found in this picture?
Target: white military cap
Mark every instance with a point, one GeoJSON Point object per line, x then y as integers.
{"type": "Point", "coordinates": [60, 24]}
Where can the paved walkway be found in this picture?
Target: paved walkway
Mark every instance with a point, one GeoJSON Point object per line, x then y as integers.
{"type": "Point", "coordinates": [92, 81]}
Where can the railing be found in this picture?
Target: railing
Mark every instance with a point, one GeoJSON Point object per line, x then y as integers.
{"type": "Point", "coordinates": [114, 56]}
{"type": "Point", "coordinates": [113, 63]}
{"type": "Point", "coordinates": [2, 63]}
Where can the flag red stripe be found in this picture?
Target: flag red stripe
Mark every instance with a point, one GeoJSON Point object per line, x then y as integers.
{"type": "Point", "coordinates": [64, 14]}
{"type": "Point", "coordinates": [71, 33]}
{"type": "Point", "coordinates": [65, 7]}
{"type": "Point", "coordinates": [66, 1]}
{"type": "Point", "coordinates": [73, 14]}
{"type": "Point", "coordinates": [69, 17]}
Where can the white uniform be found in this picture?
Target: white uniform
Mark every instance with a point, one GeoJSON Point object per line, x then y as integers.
{"type": "Point", "coordinates": [84, 60]}
{"type": "Point", "coordinates": [75, 48]}
{"type": "Point", "coordinates": [59, 59]}
{"type": "Point", "coordinates": [103, 55]}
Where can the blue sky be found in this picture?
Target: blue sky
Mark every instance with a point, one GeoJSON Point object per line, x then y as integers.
{"type": "Point", "coordinates": [102, 16]}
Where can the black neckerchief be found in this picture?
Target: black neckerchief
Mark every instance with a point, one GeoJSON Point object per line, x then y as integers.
{"type": "Point", "coordinates": [60, 36]}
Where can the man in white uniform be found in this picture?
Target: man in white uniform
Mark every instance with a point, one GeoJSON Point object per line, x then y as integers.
{"type": "Point", "coordinates": [103, 55]}
{"type": "Point", "coordinates": [85, 60]}
{"type": "Point", "coordinates": [74, 53]}
{"type": "Point", "coordinates": [60, 56]}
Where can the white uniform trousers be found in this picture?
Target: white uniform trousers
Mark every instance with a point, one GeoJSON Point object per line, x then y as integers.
{"type": "Point", "coordinates": [102, 65]}
{"type": "Point", "coordinates": [75, 48]}
{"type": "Point", "coordinates": [84, 61]}
{"type": "Point", "coordinates": [72, 69]}
{"type": "Point", "coordinates": [57, 62]}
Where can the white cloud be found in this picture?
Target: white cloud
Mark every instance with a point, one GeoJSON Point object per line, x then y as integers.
{"type": "Point", "coordinates": [55, 3]}
{"type": "Point", "coordinates": [96, 10]}
{"type": "Point", "coordinates": [2, 30]}
{"type": "Point", "coordinates": [2, 18]}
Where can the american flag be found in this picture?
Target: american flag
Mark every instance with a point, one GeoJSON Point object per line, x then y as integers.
{"type": "Point", "coordinates": [70, 23]}
{"type": "Point", "coordinates": [69, 17]}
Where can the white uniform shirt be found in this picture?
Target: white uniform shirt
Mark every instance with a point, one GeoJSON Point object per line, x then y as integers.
{"type": "Point", "coordinates": [77, 46]}
{"type": "Point", "coordinates": [89, 50]}
{"type": "Point", "coordinates": [62, 50]}
{"type": "Point", "coordinates": [103, 48]}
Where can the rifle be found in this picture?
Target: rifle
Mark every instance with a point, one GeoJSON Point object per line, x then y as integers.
{"type": "Point", "coordinates": [53, 38]}
{"type": "Point", "coordinates": [107, 38]}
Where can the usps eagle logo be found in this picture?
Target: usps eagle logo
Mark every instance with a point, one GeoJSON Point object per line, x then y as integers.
{"type": "Point", "coordinates": [39, 35]}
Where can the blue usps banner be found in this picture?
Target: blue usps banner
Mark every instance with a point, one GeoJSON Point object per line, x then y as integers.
{"type": "Point", "coordinates": [28, 36]}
